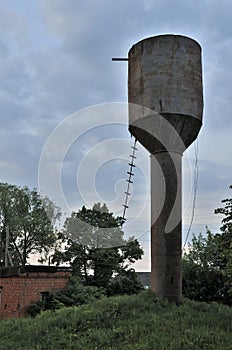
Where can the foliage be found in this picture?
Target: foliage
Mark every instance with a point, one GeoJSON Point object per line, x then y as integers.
{"type": "Point", "coordinates": [225, 242]}
{"type": "Point", "coordinates": [35, 308]}
{"type": "Point", "coordinates": [227, 212]}
{"type": "Point", "coordinates": [137, 322]}
{"type": "Point", "coordinates": [207, 268]}
{"type": "Point", "coordinates": [76, 294]}
{"type": "Point", "coordinates": [96, 248]}
{"type": "Point", "coordinates": [202, 278]}
{"type": "Point", "coordinates": [124, 283]}
{"type": "Point", "coordinates": [25, 227]}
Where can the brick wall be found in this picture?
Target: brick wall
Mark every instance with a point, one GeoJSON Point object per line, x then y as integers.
{"type": "Point", "coordinates": [19, 287]}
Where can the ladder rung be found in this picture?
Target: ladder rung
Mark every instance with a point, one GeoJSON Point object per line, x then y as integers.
{"type": "Point", "coordinates": [131, 164]}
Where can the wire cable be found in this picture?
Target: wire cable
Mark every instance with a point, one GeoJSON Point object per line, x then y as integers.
{"type": "Point", "coordinates": [195, 184]}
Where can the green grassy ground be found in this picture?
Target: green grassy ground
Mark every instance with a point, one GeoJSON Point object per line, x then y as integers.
{"type": "Point", "coordinates": [125, 323]}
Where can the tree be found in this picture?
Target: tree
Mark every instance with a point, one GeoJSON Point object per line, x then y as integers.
{"type": "Point", "coordinates": [202, 277]}
{"type": "Point", "coordinates": [225, 242]}
{"type": "Point", "coordinates": [96, 248]}
{"type": "Point", "coordinates": [26, 224]}
{"type": "Point", "coordinates": [227, 212]}
{"type": "Point", "coordinates": [207, 268]}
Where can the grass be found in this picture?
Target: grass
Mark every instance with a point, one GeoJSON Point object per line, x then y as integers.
{"type": "Point", "coordinates": [128, 322]}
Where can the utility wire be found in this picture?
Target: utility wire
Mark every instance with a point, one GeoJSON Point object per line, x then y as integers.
{"type": "Point", "coordinates": [195, 184]}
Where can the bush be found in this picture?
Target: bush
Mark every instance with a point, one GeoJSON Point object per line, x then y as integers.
{"type": "Point", "coordinates": [76, 294]}
{"type": "Point", "coordinates": [34, 308]}
{"type": "Point", "coordinates": [126, 283]}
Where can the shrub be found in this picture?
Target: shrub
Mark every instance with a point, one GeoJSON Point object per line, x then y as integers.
{"type": "Point", "coordinates": [126, 283]}
{"type": "Point", "coordinates": [76, 294]}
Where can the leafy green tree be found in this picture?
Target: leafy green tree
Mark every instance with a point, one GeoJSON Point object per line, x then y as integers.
{"type": "Point", "coordinates": [202, 278]}
{"type": "Point", "coordinates": [27, 224]}
{"type": "Point", "coordinates": [224, 241]}
{"type": "Point", "coordinates": [207, 268]}
{"type": "Point", "coordinates": [227, 212]}
{"type": "Point", "coordinates": [96, 248]}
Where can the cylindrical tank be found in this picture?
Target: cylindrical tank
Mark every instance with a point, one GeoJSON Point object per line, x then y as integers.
{"type": "Point", "coordinates": [165, 75]}
{"type": "Point", "coordinates": [165, 116]}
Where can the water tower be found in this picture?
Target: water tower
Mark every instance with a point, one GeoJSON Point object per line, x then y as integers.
{"type": "Point", "coordinates": [165, 84]}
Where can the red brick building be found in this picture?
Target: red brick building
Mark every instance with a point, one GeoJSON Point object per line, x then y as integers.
{"type": "Point", "coordinates": [20, 286]}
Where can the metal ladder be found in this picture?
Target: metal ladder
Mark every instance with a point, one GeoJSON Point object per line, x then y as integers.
{"type": "Point", "coordinates": [129, 180]}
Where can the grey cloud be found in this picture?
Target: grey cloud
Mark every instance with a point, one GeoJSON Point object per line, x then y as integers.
{"type": "Point", "coordinates": [90, 35]}
{"type": "Point", "coordinates": [214, 176]}
{"type": "Point", "coordinates": [13, 28]}
{"type": "Point", "coordinates": [42, 85]}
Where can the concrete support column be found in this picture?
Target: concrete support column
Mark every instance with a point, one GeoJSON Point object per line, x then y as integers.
{"type": "Point", "coordinates": [166, 226]}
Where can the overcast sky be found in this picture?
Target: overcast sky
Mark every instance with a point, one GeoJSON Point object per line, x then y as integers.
{"type": "Point", "coordinates": [55, 74]}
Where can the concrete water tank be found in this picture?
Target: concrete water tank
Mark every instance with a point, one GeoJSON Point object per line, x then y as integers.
{"type": "Point", "coordinates": [165, 80]}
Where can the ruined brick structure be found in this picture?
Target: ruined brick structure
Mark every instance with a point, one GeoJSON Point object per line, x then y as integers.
{"type": "Point", "coordinates": [20, 286]}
